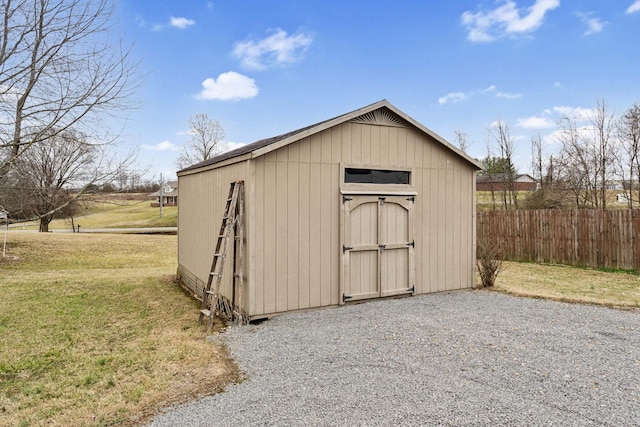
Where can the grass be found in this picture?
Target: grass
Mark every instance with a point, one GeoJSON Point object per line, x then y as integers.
{"type": "Point", "coordinates": [570, 284]}
{"type": "Point", "coordinates": [93, 331]}
{"type": "Point", "coordinates": [114, 214]}
{"type": "Point", "coordinates": [484, 201]}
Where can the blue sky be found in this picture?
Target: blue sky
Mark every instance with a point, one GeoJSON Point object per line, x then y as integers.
{"type": "Point", "coordinates": [263, 68]}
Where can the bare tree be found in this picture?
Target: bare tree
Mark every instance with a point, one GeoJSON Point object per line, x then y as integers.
{"type": "Point", "coordinates": [207, 140]}
{"type": "Point", "coordinates": [502, 135]}
{"type": "Point", "coordinates": [603, 128]}
{"type": "Point", "coordinates": [537, 158]}
{"type": "Point", "coordinates": [462, 139]}
{"type": "Point", "coordinates": [629, 137]}
{"type": "Point", "coordinates": [587, 156]}
{"type": "Point", "coordinates": [54, 174]}
{"type": "Point", "coordinates": [60, 69]}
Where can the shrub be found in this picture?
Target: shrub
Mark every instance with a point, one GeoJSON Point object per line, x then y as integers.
{"type": "Point", "coordinates": [489, 259]}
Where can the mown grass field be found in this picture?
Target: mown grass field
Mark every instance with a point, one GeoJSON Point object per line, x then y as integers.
{"type": "Point", "coordinates": [570, 284]}
{"type": "Point", "coordinates": [113, 213]}
{"type": "Point", "coordinates": [93, 331]}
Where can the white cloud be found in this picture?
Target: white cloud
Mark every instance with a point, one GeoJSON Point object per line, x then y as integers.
{"type": "Point", "coordinates": [452, 97]}
{"type": "Point", "coordinates": [230, 146]}
{"type": "Point", "coordinates": [635, 7]}
{"type": "Point", "coordinates": [508, 95]}
{"type": "Point", "coordinates": [576, 113]}
{"type": "Point", "coordinates": [161, 146]}
{"type": "Point", "coordinates": [507, 19]}
{"type": "Point", "coordinates": [181, 22]}
{"type": "Point", "coordinates": [229, 86]}
{"type": "Point", "coordinates": [558, 84]}
{"type": "Point", "coordinates": [594, 24]}
{"type": "Point", "coordinates": [277, 49]}
{"type": "Point", "coordinates": [535, 122]}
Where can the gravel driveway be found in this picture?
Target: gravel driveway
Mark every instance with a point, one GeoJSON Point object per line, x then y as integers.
{"type": "Point", "coordinates": [461, 358]}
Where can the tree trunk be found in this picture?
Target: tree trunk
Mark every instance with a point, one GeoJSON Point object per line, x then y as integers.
{"type": "Point", "coordinates": [44, 224]}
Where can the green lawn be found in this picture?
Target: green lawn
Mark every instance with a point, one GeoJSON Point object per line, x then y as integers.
{"type": "Point", "coordinates": [114, 214]}
{"type": "Point", "coordinates": [571, 284]}
{"type": "Point", "coordinates": [94, 331]}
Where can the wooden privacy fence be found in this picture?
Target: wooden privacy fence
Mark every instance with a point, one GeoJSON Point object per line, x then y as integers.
{"type": "Point", "coordinates": [590, 238]}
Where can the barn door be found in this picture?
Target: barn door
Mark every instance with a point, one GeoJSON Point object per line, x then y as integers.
{"type": "Point", "coordinates": [377, 246]}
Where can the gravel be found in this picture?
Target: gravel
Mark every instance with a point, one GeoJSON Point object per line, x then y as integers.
{"type": "Point", "coordinates": [461, 358]}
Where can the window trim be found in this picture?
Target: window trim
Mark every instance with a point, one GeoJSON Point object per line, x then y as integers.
{"type": "Point", "coordinates": [363, 188]}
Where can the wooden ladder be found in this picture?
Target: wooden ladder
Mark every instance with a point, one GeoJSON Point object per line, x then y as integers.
{"type": "Point", "coordinates": [232, 219]}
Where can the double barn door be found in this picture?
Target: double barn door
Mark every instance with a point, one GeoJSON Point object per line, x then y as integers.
{"type": "Point", "coordinates": [378, 246]}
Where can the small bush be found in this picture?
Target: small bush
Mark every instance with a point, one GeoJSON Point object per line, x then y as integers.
{"type": "Point", "coordinates": [489, 259]}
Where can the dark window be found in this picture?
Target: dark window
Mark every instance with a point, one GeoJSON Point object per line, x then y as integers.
{"type": "Point", "coordinates": [375, 176]}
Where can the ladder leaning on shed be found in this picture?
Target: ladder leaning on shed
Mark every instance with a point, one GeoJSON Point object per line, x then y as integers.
{"type": "Point", "coordinates": [232, 220]}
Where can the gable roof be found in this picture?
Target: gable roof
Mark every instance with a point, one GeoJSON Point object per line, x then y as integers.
{"type": "Point", "coordinates": [503, 177]}
{"type": "Point", "coordinates": [264, 146]}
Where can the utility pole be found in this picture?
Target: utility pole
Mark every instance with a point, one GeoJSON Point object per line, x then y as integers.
{"type": "Point", "coordinates": [161, 194]}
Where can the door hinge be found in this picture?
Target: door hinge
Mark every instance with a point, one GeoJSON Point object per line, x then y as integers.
{"type": "Point", "coordinates": [346, 297]}
{"type": "Point", "coordinates": [345, 199]}
{"type": "Point", "coordinates": [412, 244]}
{"type": "Point", "coordinates": [411, 199]}
{"type": "Point", "coordinates": [382, 247]}
{"type": "Point", "coordinates": [346, 248]}
{"type": "Point", "coordinates": [412, 289]}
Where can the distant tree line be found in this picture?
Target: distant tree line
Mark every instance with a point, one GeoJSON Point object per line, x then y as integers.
{"type": "Point", "coordinates": [599, 152]}
{"type": "Point", "coordinates": [64, 78]}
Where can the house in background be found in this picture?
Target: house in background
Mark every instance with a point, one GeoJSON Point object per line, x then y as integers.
{"type": "Point", "coordinates": [365, 205]}
{"type": "Point", "coordinates": [499, 182]}
{"type": "Point", "coordinates": [169, 195]}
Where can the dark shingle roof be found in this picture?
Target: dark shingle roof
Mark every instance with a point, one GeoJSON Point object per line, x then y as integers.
{"type": "Point", "coordinates": [254, 146]}
{"type": "Point", "coordinates": [384, 104]}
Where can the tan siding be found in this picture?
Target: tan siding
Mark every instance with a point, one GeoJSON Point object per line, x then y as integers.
{"type": "Point", "coordinates": [258, 283]}
{"type": "Point", "coordinates": [419, 147]}
{"type": "Point", "coordinates": [293, 217]}
{"type": "Point", "coordinates": [303, 246]}
{"type": "Point", "coordinates": [202, 201]}
{"type": "Point", "coordinates": [315, 233]}
{"type": "Point", "coordinates": [457, 231]}
{"type": "Point", "coordinates": [305, 148]}
{"type": "Point", "coordinates": [282, 236]}
{"type": "Point", "coordinates": [335, 234]}
{"type": "Point", "coordinates": [250, 253]}
{"type": "Point", "coordinates": [326, 251]}
{"type": "Point", "coordinates": [282, 155]}
{"type": "Point", "coordinates": [346, 143]}
{"type": "Point", "coordinates": [269, 203]}
{"type": "Point", "coordinates": [294, 153]}
{"type": "Point", "coordinates": [295, 208]}
{"type": "Point", "coordinates": [372, 155]}
{"type": "Point", "coordinates": [419, 230]}
{"type": "Point", "coordinates": [401, 136]}
{"type": "Point", "coordinates": [356, 144]}
{"type": "Point", "coordinates": [385, 146]}
{"type": "Point", "coordinates": [434, 237]}
{"type": "Point", "coordinates": [336, 146]}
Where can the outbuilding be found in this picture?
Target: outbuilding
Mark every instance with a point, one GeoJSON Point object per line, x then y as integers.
{"type": "Point", "coordinates": [365, 205]}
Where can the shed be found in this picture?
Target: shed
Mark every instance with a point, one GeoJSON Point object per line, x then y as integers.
{"type": "Point", "coordinates": [500, 182]}
{"type": "Point", "coordinates": [365, 205]}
